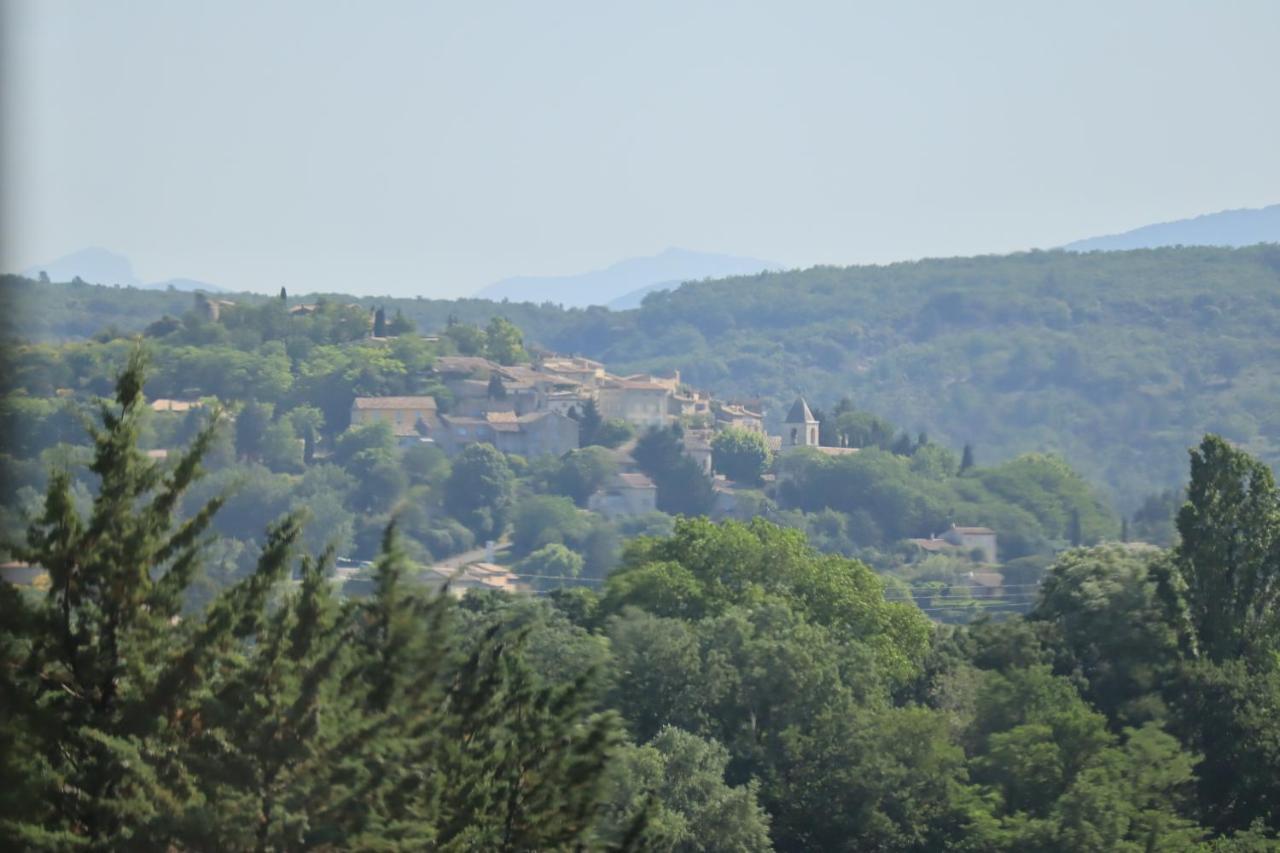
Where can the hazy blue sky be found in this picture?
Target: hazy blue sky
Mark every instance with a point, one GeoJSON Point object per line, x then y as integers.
{"type": "Point", "coordinates": [413, 147]}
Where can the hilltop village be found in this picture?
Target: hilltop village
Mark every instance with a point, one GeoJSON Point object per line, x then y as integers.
{"type": "Point", "coordinates": [539, 468]}
{"type": "Point", "coordinates": [630, 451]}
{"type": "Point", "coordinates": [539, 409]}
{"type": "Point", "coordinates": [544, 407]}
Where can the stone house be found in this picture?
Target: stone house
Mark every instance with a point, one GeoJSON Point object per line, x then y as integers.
{"type": "Point", "coordinates": [697, 446]}
{"type": "Point", "coordinates": [528, 435]}
{"type": "Point", "coordinates": [974, 539]}
{"type": "Point", "coordinates": [966, 540]}
{"type": "Point", "coordinates": [640, 402]}
{"type": "Point", "coordinates": [736, 416]}
{"type": "Point", "coordinates": [628, 494]}
{"type": "Point", "coordinates": [565, 402]}
{"type": "Point", "coordinates": [582, 371]}
{"type": "Point", "coordinates": [475, 397]}
{"type": "Point", "coordinates": [408, 416]}
{"type": "Point", "coordinates": [688, 403]}
{"type": "Point", "coordinates": [479, 385]}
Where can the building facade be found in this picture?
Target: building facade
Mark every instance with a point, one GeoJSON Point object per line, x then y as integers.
{"type": "Point", "coordinates": [800, 429]}
{"type": "Point", "coordinates": [408, 416]}
{"type": "Point", "coordinates": [974, 539]}
{"type": "Point", "coordinates": [534, 434]}
{"type": "Point", "coordinates": [628, 494]}
{"type": "Point", "coordinates": [638, 402]}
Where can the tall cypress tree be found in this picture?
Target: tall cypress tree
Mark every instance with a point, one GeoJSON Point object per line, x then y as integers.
{"type": "Point", "coordinates": [1075, 532]}
{"type": "Point", "coordinates": [1222, 585]}
{"type": "Point", "coordinates": [589, 423]}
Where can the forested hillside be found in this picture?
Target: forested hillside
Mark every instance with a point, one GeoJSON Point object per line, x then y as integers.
{"type": "Point", "coordinates": [727, 689]}
{"type": "Point", "coordinates": [287, 376]}
{"type": "Point", "coordinates": [1116, 361]}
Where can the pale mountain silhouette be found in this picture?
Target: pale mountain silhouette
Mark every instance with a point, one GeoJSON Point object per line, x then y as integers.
{"type": "Point", "coordinates": [625, 281]}
{"type": "Point", "coordinates": [1244, 227]}
{"type": "Point", "coordinates": [96, 265]}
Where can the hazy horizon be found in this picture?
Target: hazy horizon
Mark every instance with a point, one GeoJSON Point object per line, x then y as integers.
{"type": "Point", "coordinates": [407, 149]}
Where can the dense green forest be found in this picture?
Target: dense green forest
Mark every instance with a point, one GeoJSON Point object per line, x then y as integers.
{"type": "Point", "coordinates": [728, 688]}
{"type": "Point", "coordinates": [1116, 361]}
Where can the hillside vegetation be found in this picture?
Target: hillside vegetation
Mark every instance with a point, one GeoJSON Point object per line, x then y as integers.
{"type": "Point", "coordinates": [728, 688]}
{"type": "Point", "coordinates": [1116, 361]}
{"type": "Point", "coordinates": [288, 379]}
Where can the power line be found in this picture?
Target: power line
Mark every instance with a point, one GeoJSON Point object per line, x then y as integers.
{"type": "Point", "coordinates": [966, 602]}
{"type": "Point", "coordinates": [1024, 596]}
{"type": "Point", "coordinates": [976, 611]}
{"type": "Point", "coordinates": [923, 590]}
{"type": "Point", "coordinates": [890, 594]}
{"type": "Point", "coordinates": [978, 605]}
{"type": "Point", "coordinates": [559, 578]}
{"type": "Point", "coordinates": [1018, 600]}
{"type": "Point", "coordinates": [946, 585]}
{"type": "Point", "coordinates": [925, 593]}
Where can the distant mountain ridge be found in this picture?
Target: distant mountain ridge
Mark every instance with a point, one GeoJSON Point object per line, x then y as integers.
{"type": "Point", "coordinates": [96, 265]}
{"type": "Point", "coordinates": [623, 284]}
{"type": "Point", "coordinates": [1232, 228]}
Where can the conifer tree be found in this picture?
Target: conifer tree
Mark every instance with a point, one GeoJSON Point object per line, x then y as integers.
{"type": "Point", "coordinates": [1222, 585]}
{"type": "Point", "coordinates": [497, 391]}
{"type": "Point", "coordinates": [399, 324]}
{"type": "Point", "coordinates": [469, 750]}
{"type": "Point", "coordinates": [89, 686]}
{"type": "Point", "coordinates": [273, 720]}
{"type": "Point", "coordinates": [589, 423]}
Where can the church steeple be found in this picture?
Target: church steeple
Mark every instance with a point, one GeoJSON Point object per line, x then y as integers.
{"type": "Point", "coordinates": [801, 427]}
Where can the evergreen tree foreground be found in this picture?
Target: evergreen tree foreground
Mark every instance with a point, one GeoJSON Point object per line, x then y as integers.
{"type": "Point", "coordinates": [278, 718]}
